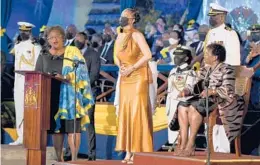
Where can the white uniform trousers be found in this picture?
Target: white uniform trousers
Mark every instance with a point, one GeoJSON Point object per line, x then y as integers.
{"type": "Point", "coordinates": [19, 104]}
{"type": "Point", "coordinates": [220, 140]}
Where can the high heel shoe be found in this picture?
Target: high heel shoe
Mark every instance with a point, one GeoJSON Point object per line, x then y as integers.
{"type": "Point", "coordinates": [131, 160]}
{"type": "Point", "coordinates": [127, 159]}
{"type": "Point", "coordinates": [188, 152]}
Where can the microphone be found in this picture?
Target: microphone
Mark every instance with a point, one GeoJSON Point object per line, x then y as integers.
{"type": "Point", "coordinates": [65, 58]}
{"type": "Point", "coordinates": [121, 30]}
{"type": "Point", "coordinates": [56, 58]}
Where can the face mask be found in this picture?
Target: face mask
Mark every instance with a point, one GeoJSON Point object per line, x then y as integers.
{"type": "Point", "coordinates": [177, 29]}
{"type": "Point", "coordinates": [42, 41]}
{"type": "Point", "coordinates": [123, 21]}
{"type": "Point", "coordinates": [24, 36]}
{"type": "Point", "coordinates": [79, 45]}
{"type": "Point", "coordinates": [255, 37]}
{"type": "Point", "coordinates": [95, 44]}
{"type": "Point", "coordinates": [202, 36]}
{"type": "Point", "coordinates": [69, 36]}
{"type": "Point", "coordinates": [158, 49]}
{"type": "Point", "coordinates": [173, 41]}
{"type": "Point", "coordinates": [107, 38]}
{"type": "Point", "coordinates": [166, 43]}
{"type": "Point", "coordinates": [195, 40]}
{"type": "Point", "coordinates": [212, 22]}
{"type": "Point", "coordinates": [179, 59]}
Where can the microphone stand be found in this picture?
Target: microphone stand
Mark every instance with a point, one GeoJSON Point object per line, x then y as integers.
{"type": "Point", "coordinates": [206, 84]}
{"type": "Point", "coordinates": [75, 65]}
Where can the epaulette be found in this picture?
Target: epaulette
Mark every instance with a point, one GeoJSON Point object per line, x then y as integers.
{"type": "Point", "coordinates": [12, 51]}
{"type": "Point", "coordinates": [228, 28]}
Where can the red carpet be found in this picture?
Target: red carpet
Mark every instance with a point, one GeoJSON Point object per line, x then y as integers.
{"type": "Point", "coordinates": [165, 158]}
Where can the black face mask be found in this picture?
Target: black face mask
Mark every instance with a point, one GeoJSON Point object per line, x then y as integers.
{"type": "Point", "coordinates": [69, 35]}
{"type": "Point", "coordinates": [179, 59]}
{"type": "Point", "coordinates": [95, 44]}
{"type": "Point", "coordinates": [123, 21]}
{"type": "Point", "coordinates": [158, 49]}
{"type": "Point", "coordinates": [202, 36]}
{"type": "Point", "coordinates": [107, 38]}
{"type": "Point", "coordinates": [79, 45]}
{"type": "Point", "coordinates": [42, 41]}
{"type": "Point", "coordinates": [166, 43]}
{"type": "Point", "coordinates": [212, 22]}
{"type": "Point", "coordinates": [255, 37]}
{"type": "Point", "coordinates": [24, 36]}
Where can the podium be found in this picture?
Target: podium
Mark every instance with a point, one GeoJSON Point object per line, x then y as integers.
{"type": "Point", "coordinates": [37, 94]}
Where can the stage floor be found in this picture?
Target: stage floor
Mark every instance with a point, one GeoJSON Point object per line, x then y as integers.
{"type": "Point", "coordinates": [165, 158]}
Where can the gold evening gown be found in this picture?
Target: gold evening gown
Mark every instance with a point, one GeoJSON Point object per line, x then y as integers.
{"type": "Point", "coordinates": [135, 127]}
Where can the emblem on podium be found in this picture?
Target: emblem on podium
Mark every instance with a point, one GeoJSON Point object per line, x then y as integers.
{"type": "Point", "coordinates": [30, 98]}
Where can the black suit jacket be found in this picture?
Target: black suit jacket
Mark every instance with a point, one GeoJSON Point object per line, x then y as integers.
{"type": "Point", "coordinates": [109, 55]}
{"type": "Point", "coordinates": [93, 63]}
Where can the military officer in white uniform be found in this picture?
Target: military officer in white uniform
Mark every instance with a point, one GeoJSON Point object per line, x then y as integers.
{"type": "Point", "coordinates": [224, 35]}
{"type": "Point", "coordinates": [183, 76]}
{"type": "Point", "coordinates": [26, 53]}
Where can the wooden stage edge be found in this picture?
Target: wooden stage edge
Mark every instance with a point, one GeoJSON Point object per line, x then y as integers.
{"type": "Point", "coordinates": [165, 158]}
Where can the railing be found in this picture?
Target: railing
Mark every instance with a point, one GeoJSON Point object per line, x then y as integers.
{"type": "Point", "coordinates": [108, 79]}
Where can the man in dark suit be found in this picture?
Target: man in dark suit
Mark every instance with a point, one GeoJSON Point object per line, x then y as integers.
{"type": "Point", "coordinates": [93, 63]}
{"type": "Point", "coordinates": [70, 34]}
{"type": "Point", "coordinates": [107, 52]}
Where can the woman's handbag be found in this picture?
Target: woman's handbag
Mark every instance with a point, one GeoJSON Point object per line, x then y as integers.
{"type": "Point", "coordinates": [174, 124]}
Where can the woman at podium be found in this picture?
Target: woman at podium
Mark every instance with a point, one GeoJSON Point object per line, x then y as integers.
{"type": "Point", "coordinates": [58, 60]}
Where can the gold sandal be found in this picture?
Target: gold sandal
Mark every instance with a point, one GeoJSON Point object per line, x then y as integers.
{"type": "Point", "coordinates": [125, 161]}
{"type": "Point", "coordinates": [131, 160]}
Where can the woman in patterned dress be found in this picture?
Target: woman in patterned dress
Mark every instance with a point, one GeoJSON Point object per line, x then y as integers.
{"type": "Point", "coordinates": [221, 92]}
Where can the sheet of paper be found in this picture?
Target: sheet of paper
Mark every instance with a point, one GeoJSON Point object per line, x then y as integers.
{"type": "Point", "coordinates": [184, 98]}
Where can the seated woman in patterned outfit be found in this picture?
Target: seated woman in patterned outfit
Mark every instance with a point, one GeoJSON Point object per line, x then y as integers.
{"type": "Point", "coordinates": [222, 95]}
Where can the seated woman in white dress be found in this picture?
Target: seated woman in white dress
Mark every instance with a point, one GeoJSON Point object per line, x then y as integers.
{"type": "Point", "coordinates": [180, 77]}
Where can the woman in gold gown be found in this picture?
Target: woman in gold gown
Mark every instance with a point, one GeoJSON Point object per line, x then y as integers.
{"type": "Point", "coordinates": [135, 128]}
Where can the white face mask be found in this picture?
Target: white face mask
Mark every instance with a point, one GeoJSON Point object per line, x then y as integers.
{"type": "Point", "coordinates": [173, 41]}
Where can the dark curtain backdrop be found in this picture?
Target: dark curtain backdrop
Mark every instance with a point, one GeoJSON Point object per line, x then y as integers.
{"type": "Point", "coordinates": [127, 4]}
{"type": "Point", "coordinates": [194, 9]}
{"type": "Point", "coordinates": [6, 8]}
{"type": "Point", "coordinates": [33, 11]}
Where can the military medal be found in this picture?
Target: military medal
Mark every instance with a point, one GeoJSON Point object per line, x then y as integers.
{"type": "Point", "coordinates": [179, 81]}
